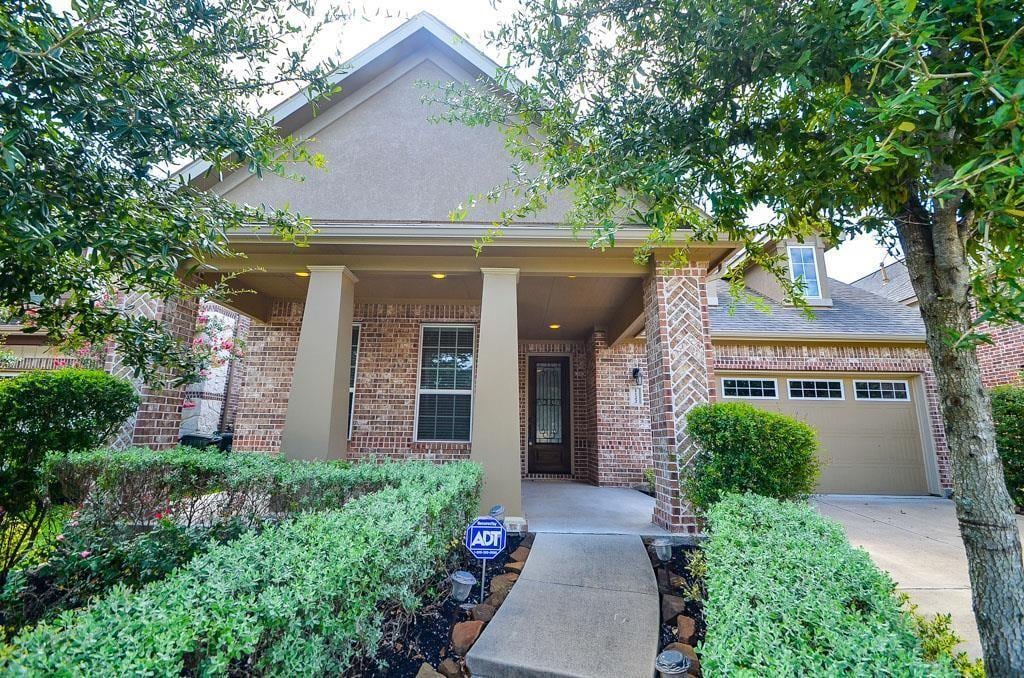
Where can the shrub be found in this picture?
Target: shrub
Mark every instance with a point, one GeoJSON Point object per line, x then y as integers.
{"type": "Point", "coordinates": [60, 410]}
{"type": "Point", "coordinates": [1008, 413]}
{"type": "Point", "coordinates": [143, 513]}
{"type": "Point", "coordinates": [788, 595]}
{"type": "Point", "coordinates": [301, 598]}
{"type": "Point", "coordinates": [744, 449]}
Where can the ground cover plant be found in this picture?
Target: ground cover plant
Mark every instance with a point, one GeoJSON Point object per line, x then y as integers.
{"type": "Point", "coordinates": [745, 449]}
{"type": "Point", "coordinates": [301, 597]}
{"type": "Point", "coordinates": [788, 595]}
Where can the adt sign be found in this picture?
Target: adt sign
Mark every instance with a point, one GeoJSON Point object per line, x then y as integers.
{"type": "Point", "coordinates": [485, 538]}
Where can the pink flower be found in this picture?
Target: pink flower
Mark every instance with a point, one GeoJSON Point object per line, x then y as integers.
{"type": "Point", "coordinates": [60, 537]}
{"type": "Point", "coordinates": [85, 554]}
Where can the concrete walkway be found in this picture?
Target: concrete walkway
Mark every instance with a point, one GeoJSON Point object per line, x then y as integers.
{"type": "Point", "coordinates": [917, 540]}
{"type": "Point", "coordinates": [577, 508]}
{"type": "Point", "coordinates": [584, 606]}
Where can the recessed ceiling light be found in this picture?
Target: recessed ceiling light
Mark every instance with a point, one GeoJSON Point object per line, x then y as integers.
{"type": "Point", "coordinates": [572, 277]}
{"type": "Point", "coordinates": [438, 276]}
{"type": "Point", "coordinates": [554, 326]}
{"type": "Point", "coordinates": [302, 274]}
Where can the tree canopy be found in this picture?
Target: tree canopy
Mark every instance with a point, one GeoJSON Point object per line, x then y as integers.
{"type": "Point", "coordinates": [98, 105]}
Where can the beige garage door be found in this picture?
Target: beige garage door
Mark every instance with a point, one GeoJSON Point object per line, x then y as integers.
{"type": "Point", "coordinates": [868, 426]}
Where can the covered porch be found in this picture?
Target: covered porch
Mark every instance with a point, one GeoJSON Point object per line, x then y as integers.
{"type": "Point", "coordinates": [569, 507]}
{"type": "Point", "coordinates": [419, 351]}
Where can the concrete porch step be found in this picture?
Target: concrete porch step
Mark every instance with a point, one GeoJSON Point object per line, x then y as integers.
{"type": "Point", "coordinates": [585, 605]}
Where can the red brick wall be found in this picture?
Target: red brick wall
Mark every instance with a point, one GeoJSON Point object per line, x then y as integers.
{"type": "Point", "coordinates": [1002, 362]}
{"type": "Point", "coordinates": [784, 358]}
{"type": "Point", "coordinates": [623, 430]}
{"type": "Point", "coordinates": [582, 419]}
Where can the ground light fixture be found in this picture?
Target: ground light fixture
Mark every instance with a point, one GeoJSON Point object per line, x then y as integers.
{"type": "Point", "coordinates": [302, 274]}
{"type": "Point", "coordinates": [662, 549]}
{"type": "Point", "coordinates": [438, 276]}
{"type": "Point", "coordinates": [498, 513]}
{"type": "Point", "coordinates": [672, 663]}
{"type": "Point", "coordinates": [462, 583]}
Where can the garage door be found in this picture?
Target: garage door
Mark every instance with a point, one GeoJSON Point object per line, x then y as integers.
{"type": "Point", "coordinates": [868, 426]}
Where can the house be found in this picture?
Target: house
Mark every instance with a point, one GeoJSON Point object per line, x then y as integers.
{"type": "Point", "coordinates": [1002, 360]}
{"type": "Point", "coordinates": [540, 357]}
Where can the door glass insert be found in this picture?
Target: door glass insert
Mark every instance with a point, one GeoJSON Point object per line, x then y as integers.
{"type": "Point", "coordinates": [548, 380]}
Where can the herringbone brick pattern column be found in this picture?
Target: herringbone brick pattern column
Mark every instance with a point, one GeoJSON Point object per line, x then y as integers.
{"type": "Point", "coordinates": [679, 364]}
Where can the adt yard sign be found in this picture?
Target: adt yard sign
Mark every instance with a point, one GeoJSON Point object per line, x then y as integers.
{"type": "Point", "coordinates": [485, 538]}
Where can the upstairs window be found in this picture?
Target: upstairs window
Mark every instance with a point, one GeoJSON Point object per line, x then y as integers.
{"type": "Point", "coordinates": [445, 394]}
{"type": "Point", "coordinates": [803, 265]}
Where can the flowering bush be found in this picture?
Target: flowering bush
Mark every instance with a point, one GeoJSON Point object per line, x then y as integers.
{"type": "Point", "coordinates": [214, 341]}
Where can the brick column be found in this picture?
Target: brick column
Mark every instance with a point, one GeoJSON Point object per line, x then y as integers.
{"type": "Point", "coordinates": [159, 417]}
{"type": "Point", "coordinates": [679, 373]}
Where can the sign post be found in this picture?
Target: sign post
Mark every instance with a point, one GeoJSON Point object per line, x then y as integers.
{"type": "Point", "coordinates": [485, 539]}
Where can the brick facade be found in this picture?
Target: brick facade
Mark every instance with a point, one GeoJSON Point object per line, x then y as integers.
{"type": "Point", "coordinates": [679, 365]}
{"type": "Point", "coordinates": [1002, 361]}
{"type": "Point", "coordinates": [846, 358]}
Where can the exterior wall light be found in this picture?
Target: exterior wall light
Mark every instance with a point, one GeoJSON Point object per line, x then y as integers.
{"type": "Point", "coordinates": [662, 549]}
{"type": "Point", "coordinates": [672, 663]}
{"type": "Point", "coordinates": [302, 274]}
{"type": "Point", "coordinates": [438, 276]}
{"type": "Point", "coordinates": [638, 376]}
{"type": "Point", "coordinates": [462, 583]}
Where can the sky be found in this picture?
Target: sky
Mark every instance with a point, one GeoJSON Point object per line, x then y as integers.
{"type": "Point", "coordinates": [473, 18]}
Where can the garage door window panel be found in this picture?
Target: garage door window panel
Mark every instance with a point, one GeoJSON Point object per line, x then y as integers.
{"type": "Point", "coordinates": [815, 389]}
{"type": "Point", "coordinates": [892, 391]}
{"type": "Point", "coordinates": [755, 389]}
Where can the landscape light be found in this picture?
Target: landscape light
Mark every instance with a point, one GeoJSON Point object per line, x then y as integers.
{"type": "Point", "coordinates": [672, 663]}
{"type": "Point", "coordinates": [462, 584]}
{"type": "Point", "coordinates": [662, 549]}
{"type": "Point", "coordinates": [498, 513]}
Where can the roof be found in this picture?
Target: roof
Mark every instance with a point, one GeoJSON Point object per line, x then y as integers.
{"type": "Point", "coordinates": [854, 315]}
{"type": "Point", "coordinates": [891, 281]}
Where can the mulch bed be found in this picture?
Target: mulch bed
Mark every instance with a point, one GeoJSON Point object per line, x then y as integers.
{"type": "Point", "coordinates": [675, 580]}
{"type": "Point", "coordinates": [425, 636]}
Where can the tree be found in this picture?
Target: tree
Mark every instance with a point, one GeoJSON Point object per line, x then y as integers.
{"type": "Point", "coordinates": [98, 105]}
{"type": "Point", "coordinates": [898, 118]}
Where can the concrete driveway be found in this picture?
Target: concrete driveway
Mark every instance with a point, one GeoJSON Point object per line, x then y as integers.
{"type": "Point", "coordinates": [916, 539]}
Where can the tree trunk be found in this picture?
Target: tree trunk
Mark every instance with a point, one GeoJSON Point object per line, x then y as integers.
{"type": "Point", "coordinates": [940, 272]}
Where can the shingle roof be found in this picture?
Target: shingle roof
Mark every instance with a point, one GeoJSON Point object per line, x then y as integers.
{"type": "Point", "coordinates": [854, 312]}
{"type": "Point", "coordinates": [891, 281]}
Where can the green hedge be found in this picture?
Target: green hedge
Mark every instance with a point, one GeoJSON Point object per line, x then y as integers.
{"type": "Point", "coordinates": [1008, 413]}
{"type": "Point", "coordinates": [301, 598]}
{"type": "Point", "coordinates": [745, 449]}
{"type": "Point", "coordinates": [788, 595]}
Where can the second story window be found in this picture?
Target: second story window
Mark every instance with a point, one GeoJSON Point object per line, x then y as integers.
{"type": "Point", "coordinates": [803, 265]}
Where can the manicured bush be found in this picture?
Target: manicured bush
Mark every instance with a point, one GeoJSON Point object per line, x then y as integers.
{"type": "Point", "coordinates": [1008, 413]}
{"type": "Point", "coordinates": [789, 596]}
{"type": "Point", "coordinates": [304, 597]}
{"type": "Point", "coordinates": [62, 411]}
{"type": "Point", "coordinates": [744, 449]}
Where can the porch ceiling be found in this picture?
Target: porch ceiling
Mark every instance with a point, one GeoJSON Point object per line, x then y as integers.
{"type": "Point", "coordinates": [576, 303]}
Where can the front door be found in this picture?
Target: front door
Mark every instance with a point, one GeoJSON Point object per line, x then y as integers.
{"type": "Point", "coordinates": [549, 438]}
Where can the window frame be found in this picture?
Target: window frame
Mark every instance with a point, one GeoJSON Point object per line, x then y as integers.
{"type": "Point", "coordinates": [905, 383]}
{"type": "Point", "coordinates": [775, 383]}
{"type": "Point", "coordinates": [443, 391]}
{"type": "Point", "coordinates": [354, 372]}
{"type": "Point", "coordinates": [817, 272]}
{"type": "Point", "coordinates": [842, 390]}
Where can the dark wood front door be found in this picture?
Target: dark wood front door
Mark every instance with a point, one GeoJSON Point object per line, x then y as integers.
{"type": "Point", "coordinates": [549, 435]}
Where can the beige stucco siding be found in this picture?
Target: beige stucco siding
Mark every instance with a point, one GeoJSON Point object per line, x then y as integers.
{"type": "Point", "coordinates": [866, 446]}
{"type": "Point", "coordinates": [386, 160]}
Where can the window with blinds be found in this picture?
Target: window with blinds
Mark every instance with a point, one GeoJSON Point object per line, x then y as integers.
{"type": "Point", "coordinates": [445, 394]}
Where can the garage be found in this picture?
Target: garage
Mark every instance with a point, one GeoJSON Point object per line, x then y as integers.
{"type": "Point", "coordinates": [868, 425]}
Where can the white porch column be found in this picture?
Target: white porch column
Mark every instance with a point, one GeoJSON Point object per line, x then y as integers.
{"type": "Point", "coordinates": [316, 426]}
{"type": "Point", "coordinates": [496, 397]}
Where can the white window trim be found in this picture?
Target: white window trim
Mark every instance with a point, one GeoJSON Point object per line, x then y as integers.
{"type": "Point", "coordinates": [443, 391]}
{"type": "Point", "coordinates": [814, 258]}
{"type": "Point", "coordinates": [882, 381]}
{"type": "Point", "coordinates": [736, 397]}
{"type": "Point", "coordinates": [842, 390]}
{"type": "Point", "coordinates": [355, 378]}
